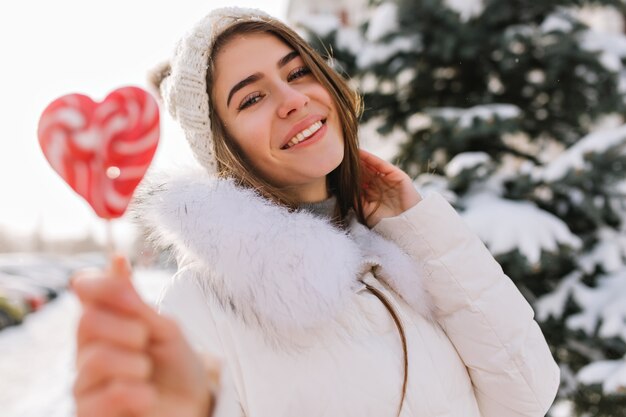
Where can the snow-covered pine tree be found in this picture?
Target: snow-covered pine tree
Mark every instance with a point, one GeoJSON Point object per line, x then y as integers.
{"type": "Point", "coordinates": [514, 110]}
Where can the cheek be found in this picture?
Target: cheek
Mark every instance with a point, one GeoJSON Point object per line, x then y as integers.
{"type": "Point", "coordinates": [252, 133]}
{"type": "Point", "coordinates": [325, 97]}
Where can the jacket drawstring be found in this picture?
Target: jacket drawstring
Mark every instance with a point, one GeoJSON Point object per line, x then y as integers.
{"type": "Point", "coordinates": [398, 323]}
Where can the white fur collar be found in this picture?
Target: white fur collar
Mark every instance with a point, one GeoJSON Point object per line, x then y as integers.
{"type": "Point", "coordinates": [277, 269]}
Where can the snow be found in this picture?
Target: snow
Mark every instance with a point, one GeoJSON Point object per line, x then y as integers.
{"type": "Point", "coordinates": [611, 62]}
{"type": "Point", "coordinates": [573, 158]}
{"type": "Point", "coordinates": [536, 76]}
{"type": "Point", "coordinates": [598, 41]}
{"type": "Point", "coordinates": [602, 308]}
{"type": "Point", "coordinates": [611, 47]}
{"type": "Point", "coordinates": [610, 373]}
{"type": "Point", "coordinates": [376, 53]}
{"type": "Point", "coordinates": [562, 409]}
{"type": "Point", "coordinates": [506, 225]}
{"type": "Point", "coordinates": [367, 49]}
{"type": "Point", "coordinates": [37, 360]}
{"type": "Point", "coordinates": [405, 77]}
{"type": "Point", "coordinates": [556, 23]}
{"type": "Point", "coordinates": [349, 39]}
{"type": "Point", "coordinates": [386, 147]}
{"type": "Point", "coordinates": [553, 303]}
{"type": "Point", "coordinates": [609, 252]}
{"type": "Point", "coordinates": [418, 121]}
{"type": "Point", "coordinates": [483, 112]}
{"type": "Point", "coordinates": [466, 160]}
{"type": "Point", "coordinates": [604, 19]}
{"type": "Point", "coordinates": [382, 22]}
{"type": "Point", "coordinates": [432, 183]}
{"type": "Point", "coordinates": [467, 9]}
{"type": "Point", "coordinates": [522, 30]}
{"type": "Point", "coordinates": [320, 23]}
{"type": "Point", "coordinates": [602, 305]}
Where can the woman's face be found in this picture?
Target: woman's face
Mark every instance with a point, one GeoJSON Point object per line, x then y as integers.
{"type": "Point", "coordinates": [283, 119]}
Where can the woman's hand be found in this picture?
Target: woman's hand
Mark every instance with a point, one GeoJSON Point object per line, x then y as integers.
{"type": "Point", "coordinates": [130, 360]}
{"type": "Point", "coordinates": [387, 190]}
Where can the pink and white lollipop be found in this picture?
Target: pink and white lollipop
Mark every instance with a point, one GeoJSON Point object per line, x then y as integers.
{"type": "Point", "coordinates": [102, 150]}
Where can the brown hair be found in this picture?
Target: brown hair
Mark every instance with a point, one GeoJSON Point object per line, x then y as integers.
{"type": "Point", "coordinates": [343, 181]}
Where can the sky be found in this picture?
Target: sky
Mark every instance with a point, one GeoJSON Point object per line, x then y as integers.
{"type": "Point", "coordinates": [53, 48]}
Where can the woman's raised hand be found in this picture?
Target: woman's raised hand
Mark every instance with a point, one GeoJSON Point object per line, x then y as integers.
{"type": "Point", "coordinates": [387, 190]}
{"type": "Point", "coordinates": [130, 360]}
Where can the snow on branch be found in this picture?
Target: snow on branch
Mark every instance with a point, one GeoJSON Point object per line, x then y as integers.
{"type": "Point", "coordinates": [506, 225]}
{"type": "Point", "coordinates": [556, 23]}
{"type": "Point", "coordinates": [466, 160]}
{"type": "Point", "coordinates": [384, 21]}
{"type": "Point", "coordinates": [467, 9]}
{"type": "Point", "coordinates": [322, 24]}
{"type": "Point", "coordinates": [553, 303]}
{"type": "Point", "coordinates": [610, 373]}
{"type": "Point", "coordinates": [369, 53]}
{"type": "Point", "coordinates": [608, 253]}
{"type": "Point", "coordinates": [602, 305]}
{"type": "Point", "coordinates": [574, 157]}
{"type": "Point", "coordinates": [611, 47]}
{"type": "Point", "coordinates": [373, 53]}
{"type": "Point", "coordinates": [487, 112]}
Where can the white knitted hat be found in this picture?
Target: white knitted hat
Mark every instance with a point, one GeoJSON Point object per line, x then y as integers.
{"type": "Point", "coordinates": [184, 90]}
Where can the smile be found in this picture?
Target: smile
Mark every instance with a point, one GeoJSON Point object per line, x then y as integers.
{"type": "Point", "coordinates": [305, 134]}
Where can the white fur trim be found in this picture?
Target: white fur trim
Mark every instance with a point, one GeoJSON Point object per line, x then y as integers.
{"type": "Point", "coordinates": [285, 272]}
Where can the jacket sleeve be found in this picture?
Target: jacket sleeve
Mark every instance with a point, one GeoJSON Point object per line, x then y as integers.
{"type": "Point", "coordinates": [183, 300]}
{"type": "Point", "coordinates": [485, 316]}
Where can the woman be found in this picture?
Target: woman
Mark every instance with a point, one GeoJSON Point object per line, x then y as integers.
{"type": "Point", "coordinates": [313, 270]}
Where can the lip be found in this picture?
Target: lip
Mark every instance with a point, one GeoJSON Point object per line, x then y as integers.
{"type": "Point", "coordinates": [314, 138]}
{"type": "Point", "coordinates": [299, 127]}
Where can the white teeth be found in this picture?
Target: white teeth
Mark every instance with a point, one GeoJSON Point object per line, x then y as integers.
{"type": "Point", "coordinates": [306, 133]}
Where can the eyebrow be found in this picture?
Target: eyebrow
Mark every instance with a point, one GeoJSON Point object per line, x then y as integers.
{"type": "Point", "coordinates": [257, 76]}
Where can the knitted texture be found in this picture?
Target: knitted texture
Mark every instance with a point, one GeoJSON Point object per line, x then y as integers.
{"type": "Point", "coordinates": [184, 90]}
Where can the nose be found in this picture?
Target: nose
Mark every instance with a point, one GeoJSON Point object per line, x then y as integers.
{"type": "Point", "coordinates": [291, 100]}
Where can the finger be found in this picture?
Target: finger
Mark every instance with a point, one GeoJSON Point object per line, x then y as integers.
{"type": "Point", "coordinates": [375, 163]}
{"type": "Point", "coordinates": [120, 297]}
{"type": "Point", "coordinates": [117, 399]}
{"type": "Point", "coordinates": [99, 363]}
{"type": "Point", "coordinates": [120, 267]}
{"type": "Point", "coordinates": [107, 326]}
{"type": "Point", "coordinates": [99, 288]}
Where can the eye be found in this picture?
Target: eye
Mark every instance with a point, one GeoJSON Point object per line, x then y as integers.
{"type": "Point", "coordinates": [298, 73]}
{"type": "Point", "coordinates": [249, 100]}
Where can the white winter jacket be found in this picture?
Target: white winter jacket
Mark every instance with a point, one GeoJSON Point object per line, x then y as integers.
{"type": "Point", "coordinates": [295, 309]}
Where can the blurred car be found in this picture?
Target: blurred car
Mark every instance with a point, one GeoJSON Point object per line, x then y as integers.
{"type": "Point", "coordinates": [35, 296]}
{"type": "Point", "coordinates": [29, 280]}
{"type": "Point", "coordinates": [12, 311]}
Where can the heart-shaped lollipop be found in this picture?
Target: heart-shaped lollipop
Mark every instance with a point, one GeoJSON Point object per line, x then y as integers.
{"type": "Point", "coordinates": [102, 150]}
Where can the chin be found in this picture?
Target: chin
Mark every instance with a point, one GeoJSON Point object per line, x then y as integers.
{"type": "Point", "coordinates": [330, 164]}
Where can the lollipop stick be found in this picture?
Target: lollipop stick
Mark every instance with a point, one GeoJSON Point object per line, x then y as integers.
{"type": "Point", "coordinates": [110, 243]}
